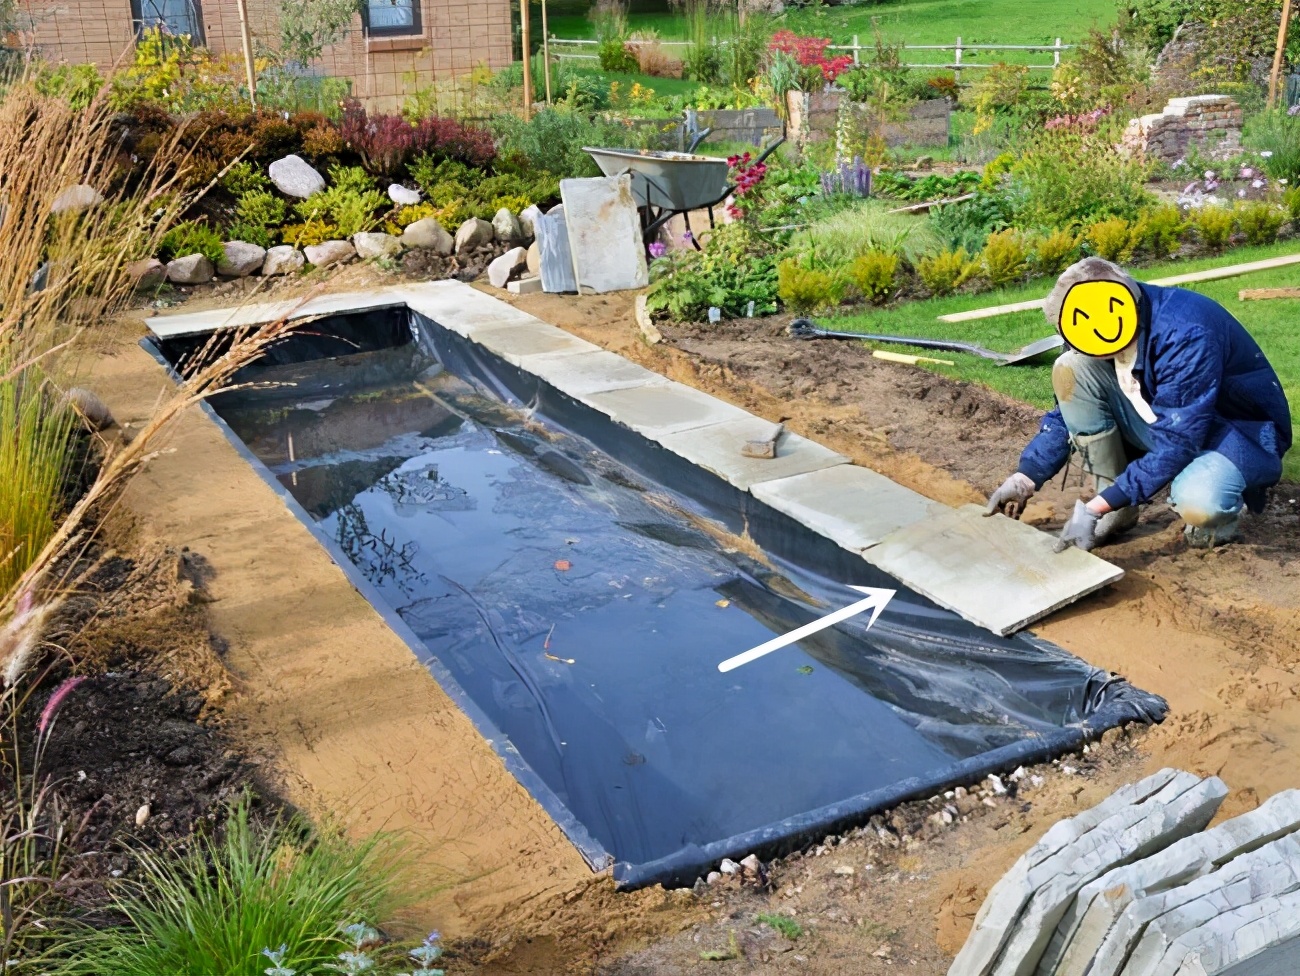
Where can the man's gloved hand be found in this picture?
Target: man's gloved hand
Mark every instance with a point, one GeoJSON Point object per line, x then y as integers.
{"type": "Point", "coordinates": [1010, 499]}
{"type": "Point", "coordinates": [1080, 530]}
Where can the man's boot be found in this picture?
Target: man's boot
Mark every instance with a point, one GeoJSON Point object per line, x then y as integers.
{"type": "Point", "coordinates": [1103, 456]}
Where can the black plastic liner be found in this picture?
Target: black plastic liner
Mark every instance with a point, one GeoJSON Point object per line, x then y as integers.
{"type": "Point", "coordinates": [564, 579]}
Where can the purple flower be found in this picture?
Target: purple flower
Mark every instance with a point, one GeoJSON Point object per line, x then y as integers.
{"type": "Point", "coordinates": [1247, 172]}
{"type": "Point", "coordinates": [658, 249]}
{"type": "Point", "coordinates": [1211, 186]}
{"type": "Point", "coordinates": [1293, 110]}
{"type": "Point", "coordinates": [688, 238]}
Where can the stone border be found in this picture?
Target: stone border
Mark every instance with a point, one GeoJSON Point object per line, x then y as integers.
{"type": "Point", "coordinates": [997, 573]}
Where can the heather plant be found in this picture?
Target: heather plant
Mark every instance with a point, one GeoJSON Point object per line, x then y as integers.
{"type": "Point", "coordinates": [388, 143]}
{"type": "Point", "coordinates": [873, 274]}
{"type": "Point", "coordinates": [1213, 225]}
{"type": "Point", "coordinates": [1054, 252]}
{"type": "Point", "coordinates": [805, 289]}
{"type": "Point", "coordinates": [243, 177]}
{"type": "Point", "coordinates": [1159, 229]}
{"type": "Point", "coordinates": [1005, 259]}
{"type": "Point", "coordinates": [349, 211]}
{"type": "Point", "coordinates": [945, 272]}
{"type": "Point", "coordinates": [1260, 221]}
{"type": "Point", "coordinates": [191, 237]}
{"type": "Point", "coordinates": [260, 208]}
{"type": "Point", "coordinates": [1112, 239]}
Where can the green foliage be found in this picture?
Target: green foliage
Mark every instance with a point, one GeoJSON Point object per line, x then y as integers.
{"type": "Point", "coordinates": [214, 906]}
{"type": "Point", "coordinates": [934, 186]}
{"type": "Point", "coordinates": [1055, 252]}
{"type": "Point", "coordinates": [77, 83]}
{"type": "Point", "coordinates": [784, 924]}
{"type": "Point", "coordinates": [999, 88]}
{"type": "Point", "coordinates": [351, 179]}
{"type": "Point", "coordinates": [1112, 239]}
{"type": "Point", "coordinates": [998, 167]}
{"type": "Point", "coordinates": [260, 208]}
{"type": "Point", "coordinates": [968, 224]}
{"type": "Point", "coordinates": [309, 233]}
{"type": "Point", "coordinates": [553, 141]}
{"type": "Point", "coordinates": [244, 177]}
{"type": "Point", "coordinates": [945, 272]}
{"type": "Point", "coordinates": [1230, 34]}
{"type": "Point", "coordinates": [1260, 221]}
{"type": "Point", "coordinates": [1067, 177]}
{"type": "Point", "coordinates": [1291, 200]}
{"type": "Point", "coordinates": [1278, 133]}
{"type": "Point", "coordinates": [191, 237]}
{"type": "Point", "coordinates": [866, 225]}
{"type": "Point", "coordinates": [1159, 229]}
{"type": "Point", "coordinates": [1214, 226]}
{"type": "Point", "coordinates": [806, 290]}
{"type": "Point", "coordinates": [250, 233]}
{"type": "Point", "coordinates": [873, 273]}
{"type": "Point", "coordinates": [735, 268]}
{"type": "Point", "coordinates": [307, 27]}
{"type": "Point", "coordinates": [614, 56]}
{"type": "Point", "coordinates": [1005, 258]}
{"type": "Point", "coordinates": [351, 212]}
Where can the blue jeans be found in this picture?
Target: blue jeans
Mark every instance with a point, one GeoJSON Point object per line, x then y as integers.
{"type": "Point", "coordinates": [1207, 493]}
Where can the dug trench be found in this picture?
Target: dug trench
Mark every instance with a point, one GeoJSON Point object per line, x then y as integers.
{"type": "Point", "coordinates": [317, 681]}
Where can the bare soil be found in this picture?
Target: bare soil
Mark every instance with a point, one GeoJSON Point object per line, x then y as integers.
{"type": "Point", "coordinates": [315, 686]}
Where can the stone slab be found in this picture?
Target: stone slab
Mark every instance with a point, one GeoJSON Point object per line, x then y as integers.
{"type": "Point", "coordinates": [996, 572]}
{"type": "Point", "coordinates": [657, 411]}
{"type": "Point", "coordinates": [582, 374]}
{"type": "Point", "coordinates": [1129, 929]}
{"type": "Point", "coordinates": [1135, 833]}
{"type": "Point", "coordinates": [854, 506]}
{"type": "Point", "coordinates": [1226, 927]}
{"type": "Point", "coordinates": [604, 234]}
{"type": "Point", "coordinates": [556, 268]}
{"type": "Point", "coordinates": [524, 286]}
{"type": "Point", "coordinates": [191, 323]}
{"type": "Point", "coordinates": [1009, 893]}
{"type": "Point", "coordinates": [716, 448]}
{"type": "Point", "coordinates": [1102, 904]}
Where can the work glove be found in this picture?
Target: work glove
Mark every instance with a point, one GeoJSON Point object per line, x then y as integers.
{"type": "Point", "coordinates": [1080, 530]}
{"type": "Point", "coordinates": [1010, 499]}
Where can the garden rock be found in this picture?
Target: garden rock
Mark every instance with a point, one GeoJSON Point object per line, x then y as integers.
{"type": "Point", "coordinates": [295, 177]}
{"type": "Point", "coordinates": [528, 219]}
{"type": "Point", "coordinates": [376, 245]}
{"type": "Point", "coordinates": [283, 260]}
{"type": "Point", "coordinates": [241, 259]}
{"type": "Point", "coordinates": [403, 196]}
{"type": "Point", "coordinates": [507, 266]}
{"type": "Point", "coordinates": [428, 233]}
{"type": "Point", "coordinates": [93, 410]}
{"type": "Point", "coordinates": [507, 228]}
{"type": "Point", "coordinates": [192, 269]}
{"type": "Point", "coordinates": [534, 258]}
{"type": "Point", "coordinates": [148, 273]}
{"type": "Point", "coordinates": [76, 198]}
{"type": "Point", "coordinates": [329, 252]}
{"type": "Point", "coordinates": [473, 234]}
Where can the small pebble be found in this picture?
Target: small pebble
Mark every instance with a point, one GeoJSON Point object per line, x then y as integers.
{"type": "Point", "coordinates": [844, 870]}
{"type": "Point", "coordinates": [142, 815]}
{"type": "Point", "coordinates": [1018, 775]}
{"type": "Point", "coordinates": [1036, 781]}
{"type": "Point", "coordinates": [728, 866]}
{"type": "Point", "coordinates": [713, 878]}
{"type": "Point", "coordinates": [988, 801]}
{"type": "Point", "coordinates": [752, 864]}
{"type": "Point", "coordinates": [998, 788]}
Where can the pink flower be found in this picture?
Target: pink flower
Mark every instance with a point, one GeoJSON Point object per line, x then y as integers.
{"type": "Point", "coordinates": [1258, 184]}
{"type": "Point", "coordinates": [657, 249]}
{"type": "Point", "coordinates": [56, 700]}
{"type": "Point", "coordinates": [1247, 172]}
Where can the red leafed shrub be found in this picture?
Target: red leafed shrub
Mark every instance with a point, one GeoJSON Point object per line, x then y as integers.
{"type": "Point", "coordinates": [387, 143]}
{"type": "Point", "coordinates": [810, 52]}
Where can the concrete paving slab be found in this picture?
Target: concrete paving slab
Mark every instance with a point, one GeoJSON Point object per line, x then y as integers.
{"type": "Point", "coordinates": [585, 373]}
{"type": "Point", "coordinates": [1101, 903]}
{"type": "Point", "coordinates": [1009, 894]}
{"type": "Point", "coordinates": [657, 411]}
{"type": "Point", "coordinates": [997, 573]}
{"type": "Point", "coordinates": [855, 506]}
{"type": "Point", "coordinates": [192, 323]}
{"type": "Point", "coordinates": [604, 234]}
{"type": "Point", "coordinates": [1246, 921]}
{"type": "Point", "coordinates": [1124, 936]}
{"type": "Point", "coordinates": [467, 311]}
{"type": "Point", "coordinates": [1137, 832]}
{"type": "Point", "coordinates": [716, 448]}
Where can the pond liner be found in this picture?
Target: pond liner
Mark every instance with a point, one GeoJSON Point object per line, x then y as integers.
{"type": "Point", "coordinates": [1086, 701]}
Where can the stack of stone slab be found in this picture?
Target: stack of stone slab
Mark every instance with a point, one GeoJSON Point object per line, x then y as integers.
{"type": "Point", "coordinates": [1137, 886]}
{"type": "Point", "coordinates": [1209, 122]}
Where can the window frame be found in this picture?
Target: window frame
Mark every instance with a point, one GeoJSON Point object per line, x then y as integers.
{"type": "Point", "coordinates": [415, 29]}
{"type": "Point", "coordinates": [198, 36]}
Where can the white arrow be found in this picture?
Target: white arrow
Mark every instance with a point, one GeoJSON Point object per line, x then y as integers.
{"type": "Point", "coordinates": [875, 601]}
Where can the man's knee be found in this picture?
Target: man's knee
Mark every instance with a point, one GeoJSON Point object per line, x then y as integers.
{"type": "Point", "coordinates": [1065, 375]}
{"type": "Point", "coordinates": [1082, 387]}
{"type": "Point", "coordinates": [1207, 493]}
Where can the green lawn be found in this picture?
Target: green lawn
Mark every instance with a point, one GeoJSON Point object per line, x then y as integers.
{"type": "Point", "coordinates": [1272, 323]}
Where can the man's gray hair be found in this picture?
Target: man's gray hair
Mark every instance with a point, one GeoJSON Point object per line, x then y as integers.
{"type": "Point", "coordinates": [1089, 269]}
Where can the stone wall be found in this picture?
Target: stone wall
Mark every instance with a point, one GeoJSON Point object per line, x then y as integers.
{"type": "Point", "coordinates": [1211, 122]}
{"type": "Point", "coordinates": [813, 117]}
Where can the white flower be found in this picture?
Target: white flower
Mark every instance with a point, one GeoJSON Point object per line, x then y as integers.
{"type": "Point", "coordinates": [1241, 194]}
{"type": "Point", "coordinates": [1209, 174]}
{"type": "Point", "coordinates": [1258, 184]}
{"type": "Point", "coordinates": [1282, 180]}
{"type": "Point", "coordinates": [1266, 154]}
{"type": "Point", "coordinates": [1179, 163]}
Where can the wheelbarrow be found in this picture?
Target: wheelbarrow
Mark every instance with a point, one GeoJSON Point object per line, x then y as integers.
{"type": "Point", "coordinates": [666, 184]}
{"type": "Point", "coordinates": [806, 329]}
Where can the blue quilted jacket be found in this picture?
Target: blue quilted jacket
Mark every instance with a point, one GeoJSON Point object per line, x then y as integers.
{"type": "Point", "coordinates": [1210, 388]}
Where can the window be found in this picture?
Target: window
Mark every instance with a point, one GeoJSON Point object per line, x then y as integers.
{"type": "Point", "coordinates": [173, 16]}
{"type": "Point", "coordinates": [391, 16]}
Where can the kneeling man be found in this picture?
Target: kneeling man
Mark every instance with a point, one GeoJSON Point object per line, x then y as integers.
{"type": "Point", "coordinates": [1157, 386]}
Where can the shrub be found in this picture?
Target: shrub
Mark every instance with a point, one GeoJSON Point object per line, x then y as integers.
{"type": "Point", "coordinates": [733, 271]}
{"type": "Point", "coordinates": [349, 211]}
{"type": "Point", "coordinates": [1004, 257]}
{"type": "Point", "coordinates": [1260, 221]}
{"type": "Point", "coordinates": [1159, 229]}
{"type": "Point", "coordinates": [968, 224]}
{"type": "Point", "coordinates": [945, 272]}
{"type": "Point", "coordinates": [1112, 239]}
{"type": "Point", "coordinates": [873, 273]}
{"type": "Point", "coordinates": [213, 907]}
{"type": "Point", "coordinates": [804, 289]}
{"type": "Point", "coordinates": [351, 179]}
{"type": "Point", "coordinates": [614, 56]}
{"type": "Point", "coordinates": [322, 140]}
{"type": "Point", "coordinates": [1068, 177]}
{"type": "Point", "coordinates": [995, 170]}
{"type": "Point", "coordinates": [1291, 200]}
{"type": "Point", "coordinates": [1055, 252]}
{"type": "Point", "coordinates": [309, 233]}
{"type": "Point", "coordinates": [1213, 226]}
{"type": "Point", "coordinates": [387, 143]}
{"type": "Point", "coordinates": [1277, 132]}
{"type": "Point", "coordinates": [250, 233]}
{"type": "Point", "coordinates": [191, 237]}
{"type": "Point", "coordinates": [243, 177]}
{"type": "Point", "coordinates": [260, 208]}
{"type": "Point", "coordinates": [553, 141]}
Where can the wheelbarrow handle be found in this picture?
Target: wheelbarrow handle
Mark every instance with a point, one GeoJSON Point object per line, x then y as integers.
{"type": "Point", "coordinates": [698, 138]}
{"type": "Point", "coordinates": [769, 150]}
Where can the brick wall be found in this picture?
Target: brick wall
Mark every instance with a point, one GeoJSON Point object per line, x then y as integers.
{"type": "Point", "coordinates": [456, 36]}
{"type": "Point", "coordinates": [1213, 122]}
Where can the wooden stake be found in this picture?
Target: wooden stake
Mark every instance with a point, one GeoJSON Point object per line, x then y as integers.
{"type": "Point", "coordinates": [1261, 294]}
{"type": "Point", "coordinates": [1277, 54]}
{"type": "Point", "coordinates": [528, 67]}
{"type": "Point", "coordinates": [546, 53]}
{"type": "Point", "coordinates": [249, 68]}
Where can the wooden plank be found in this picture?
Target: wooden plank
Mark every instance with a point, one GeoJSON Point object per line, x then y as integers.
{"type": "Point", "coordinates": [1210, 274]}
{"type": "Point", "coordinates": [916, 207]}
{"type": "Point", "coordinates": [1258, 294]}
{"type": "Point", "coordinates": [902, 357]}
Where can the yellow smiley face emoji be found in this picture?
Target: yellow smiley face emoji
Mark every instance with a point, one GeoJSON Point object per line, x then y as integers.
{"type": "Point", "coordinates": [1099, 318]}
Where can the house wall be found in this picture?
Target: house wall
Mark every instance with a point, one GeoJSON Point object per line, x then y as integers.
{"type": "Point", "coordinates": [456, 36]}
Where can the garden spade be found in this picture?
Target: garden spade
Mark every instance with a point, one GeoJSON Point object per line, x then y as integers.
{"type": "Point", "coordinates": [805, 329]}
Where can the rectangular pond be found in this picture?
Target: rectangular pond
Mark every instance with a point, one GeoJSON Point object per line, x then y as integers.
{"type": "Point", "coordinates": [575, 586]}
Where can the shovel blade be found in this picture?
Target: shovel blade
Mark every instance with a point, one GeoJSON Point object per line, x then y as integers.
{"type": "Point", "coordinates": [1036, 348]}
